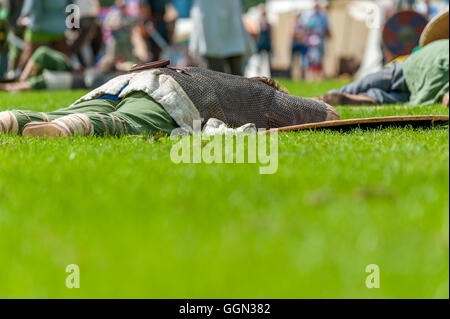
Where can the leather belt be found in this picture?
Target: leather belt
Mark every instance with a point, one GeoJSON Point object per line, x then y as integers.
{"type": "Point", "coordinates": [151, 65]}
{"type": "Point", "coordinates": [156, 65]}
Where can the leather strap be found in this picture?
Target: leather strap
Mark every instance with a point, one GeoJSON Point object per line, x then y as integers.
{"type": "Point", "coordinates": [151, 65]}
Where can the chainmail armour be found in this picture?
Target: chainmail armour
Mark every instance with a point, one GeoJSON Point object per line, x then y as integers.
{"type": "Point", "coordinates": [237, 100]}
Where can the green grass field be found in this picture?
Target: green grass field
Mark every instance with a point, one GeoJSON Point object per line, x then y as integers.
{"type": "Point", "coordinates": [140, 226]}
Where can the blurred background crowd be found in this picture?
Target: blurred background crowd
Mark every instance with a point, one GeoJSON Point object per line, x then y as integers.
{"type": "Point", "coordinates": [41, 41]}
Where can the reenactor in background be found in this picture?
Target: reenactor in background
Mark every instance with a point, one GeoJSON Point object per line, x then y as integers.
{"type": "Point", "coordinates": [153, 12]}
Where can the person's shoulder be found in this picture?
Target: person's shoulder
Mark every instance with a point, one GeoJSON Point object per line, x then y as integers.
{"type": "Point", "coordinates": [441, 46]}
{"type": "Point", "coordinates": [435, 50]}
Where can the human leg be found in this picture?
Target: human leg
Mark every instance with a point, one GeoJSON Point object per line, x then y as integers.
{"type": "Point", "coordinates": [45, 58]}
{"type": "Point", "coordinates": [21, 118]}
{"type": "Point", "coordinates": [3, 64]}
{"type": "Point", "coordinates": [385, 86]}
{"type": "Point", "coordinates": [136, 114]}
{"type": "Point", "coordinates": [141, 114]}
{"type": "Point", "coordinates": [34, 40]}
{"type": "Point", "coordinates": [27, 52]}
{"type": "Point", "coordinates": [235, 65]}
{"type": "Point", "coordinates": [338, 98]}
{"type": "Point", "coordinates": [383, 97]}
{"type": "Point", "coordinates": [85, 34]}
{"type": "Point", "coordinates": [86, 118]}
{"type": "Point", "coordinates": [372, 96]}
{"type": "Point", "coordinates": [304, 60]}
{"type": "Point", "coordinates": [380, 80]}
{"type": "Point", "coordinates": [216, 64]}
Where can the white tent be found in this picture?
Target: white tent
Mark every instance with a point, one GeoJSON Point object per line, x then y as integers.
{"type": "Point", "coordinates": [355, 27]}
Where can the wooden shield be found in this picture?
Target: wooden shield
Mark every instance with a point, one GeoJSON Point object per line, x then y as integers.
{"type": "Point", "coordinates": [371, 122]}
{"type": "Point", "coordinates": [402, 31]}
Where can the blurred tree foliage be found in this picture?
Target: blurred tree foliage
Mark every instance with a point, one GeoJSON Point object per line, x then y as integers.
{"type": "Point", "coordinates": [106, 3]}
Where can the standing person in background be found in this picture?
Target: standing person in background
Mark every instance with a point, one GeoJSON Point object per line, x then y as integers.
{"type": "Point", "coordinates": [119, 50]}
{"type": "Point", "coordinates": [428, 9]}
{"type": "Point", "coordinates": [264, 42]}
{"type": "Point", "coordinates": [219, 34]}
{"type": "Point", "coordinates": [88, 33]}
{"type": "Point", "coordinates": [401, 5]}
{"type": "Point", "coordinates": [153, 11]}
{"type": "Point", "coordinates": [318, 32]}
{"type": "Point", "coordinates": [45, 23]}
{"type": "Point", "coordinates": [259, 64]}
{"type": "Point", "coordinates": [3, 39]}
{"type": "Point", "coordinates": [16, 34]}
{"type": "Point", "coordinates": [299, 46]}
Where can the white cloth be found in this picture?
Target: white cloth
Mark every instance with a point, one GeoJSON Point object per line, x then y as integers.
{"type": "Point", "coordinates": [258, 65]}
{"type": "Point", "coordinates": [218, 29]}
{"type": "Point", "coordinates": [217, 127]}
{"type": "Point", "coordinates": [58, 80]}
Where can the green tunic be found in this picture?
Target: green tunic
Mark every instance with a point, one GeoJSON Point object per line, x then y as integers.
{"type": "Point", "coordinates": [427, 73]}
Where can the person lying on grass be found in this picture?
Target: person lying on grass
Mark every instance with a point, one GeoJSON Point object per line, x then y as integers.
{"type": "Point", "coordinates": [423, 79]}
{"type": "Point", "coordinates": [155, 98]}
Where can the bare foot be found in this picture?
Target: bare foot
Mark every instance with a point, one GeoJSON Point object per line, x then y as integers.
{"type": "Point", "coordinates": [15, 86]}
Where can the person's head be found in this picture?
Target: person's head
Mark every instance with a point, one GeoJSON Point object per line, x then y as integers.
{"type": "Point", "coordinates": [317, 6]}
{"type": "Point", "coordinates": [121, 4]}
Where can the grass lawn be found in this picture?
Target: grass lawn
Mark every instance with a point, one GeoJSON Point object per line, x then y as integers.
{"type": "Point", "coordinates": [140, 226]}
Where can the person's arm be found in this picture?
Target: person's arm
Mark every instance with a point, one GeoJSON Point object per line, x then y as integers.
{"type": "Point", "coordinates": [30, 8]}
{"type": "Point", "coordinates": [26, 8]}
{"type": "Point", "coordinates": [24, 13]}
{"type": "Point", "coordinates": [97, 7]}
